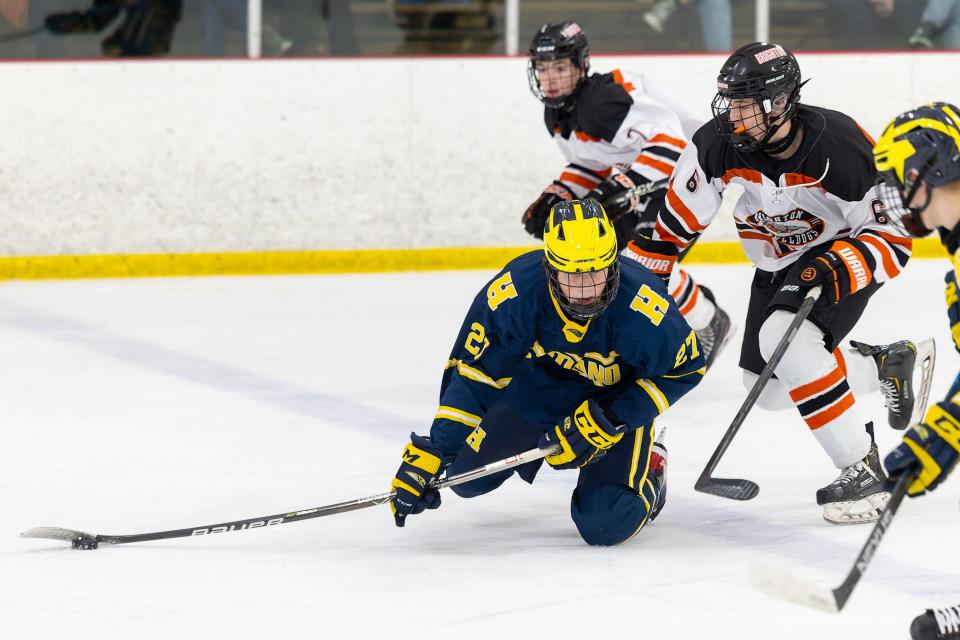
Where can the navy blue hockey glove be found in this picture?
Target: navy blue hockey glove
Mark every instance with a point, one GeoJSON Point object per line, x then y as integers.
{"type": "Point", "coordinates": [583, 437]}
{"type": "Point", "coordinates": [535, 217]}
{"type": "Point", "coordinates": [842, 271]}
{"type": "Point", "coordinates": [933, 446]}
{"type": "Point", "coordinates": [421, 466]}
{"type": "Point", "coordinates": [953, 307]}
{"type": "Point", "coordinates": [612, 194]}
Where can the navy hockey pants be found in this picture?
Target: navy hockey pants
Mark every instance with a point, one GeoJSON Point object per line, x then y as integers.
{"type": "Point", "coordinates": [614, 496]}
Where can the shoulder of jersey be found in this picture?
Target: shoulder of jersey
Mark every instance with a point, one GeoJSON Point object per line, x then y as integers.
{"type": "Point", "coordinates": [526, 271]}
{"type": "Point", "coordinates": [634, 275]}
{"type": "Point", "coordinates": [602, 106]}
{"type": "Point", "coordinates": [848, 148]}
{"type": "Point", "coordinates": [714, 152]}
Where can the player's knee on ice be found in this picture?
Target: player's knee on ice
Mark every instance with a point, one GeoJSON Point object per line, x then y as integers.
{"type": "Point", "coordinates": [607, 514]}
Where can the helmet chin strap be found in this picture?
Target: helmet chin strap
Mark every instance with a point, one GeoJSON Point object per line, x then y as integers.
{"type": "Point", "coordinates": [952, 239]}
{"type": "Point", "coordinates": [773, 148]}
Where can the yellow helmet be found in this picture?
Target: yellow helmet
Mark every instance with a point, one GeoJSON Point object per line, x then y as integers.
{"type": "Point", "coordinates": [579, 238]}
{"type": "Point", "coordinates": [920, 146]}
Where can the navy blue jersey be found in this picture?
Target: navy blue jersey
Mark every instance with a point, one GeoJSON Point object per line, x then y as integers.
{"type": "Point", "coordinates": [636, 359]}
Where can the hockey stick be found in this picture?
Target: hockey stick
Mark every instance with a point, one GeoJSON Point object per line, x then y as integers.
{"type": "Point", "coordinates": [740, 489]}
{"type": "Point", "coordinates": [783, 584]}
{"type": "Point", "coordinates": [637, 192]}
{"type": "Point", "coordinates": [83, 540]}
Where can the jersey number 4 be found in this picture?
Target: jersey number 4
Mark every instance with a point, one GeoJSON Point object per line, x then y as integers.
{"type": "Point", "coordinates": [651, 304]}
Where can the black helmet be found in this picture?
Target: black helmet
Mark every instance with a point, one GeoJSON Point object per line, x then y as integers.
{"type": "Point", "coordinates": [920, 146]}
{"type": "Point", "coordinates": [557, 42]}
{"type": "Point", "coordinates": [770, 75]}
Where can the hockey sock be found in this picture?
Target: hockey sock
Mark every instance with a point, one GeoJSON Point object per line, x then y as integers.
{"type": "Point", "coordinates": [818, 388]}
{"type": "Point", "coordinates": [696, 308]}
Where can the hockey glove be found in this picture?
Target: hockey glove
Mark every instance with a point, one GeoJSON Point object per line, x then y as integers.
{"type": "Point", "coordinates": [658, 256]}
{"type": "Point", "coordinates": [953, 307]}
{"type": "Point", "coordinates": [613, 194]}
{"type": "Point", "coordinates": [583, 437]}
{"type": "Point", "coordinates": [535, 217]}
{"type": "Point", "coordinates": [933, 445]}
{"type": "Point", "coordinates": [843, 270]}
{"type": "Point", "coordinates": [420, 467]}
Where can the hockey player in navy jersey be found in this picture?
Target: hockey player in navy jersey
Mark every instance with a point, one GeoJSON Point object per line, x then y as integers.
{"type": "Point", "coordinates": [618, 131]}
{"type": "Point", "coordinates": [570, 346]}
{"type": "Point", "coordinates": [809, 215]}
{"type": "Point", "coordinates": [918, 159]}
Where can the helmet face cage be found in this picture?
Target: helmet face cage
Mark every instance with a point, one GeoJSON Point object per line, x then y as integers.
{"type": "Point", "coordinates": [558, 42]}
{"type": "Point", "coordinates": [579, 311]}
{"type": "Point", "coordinates": [756, 116]}
{"type": "Point", "coordinates": [895, 197]}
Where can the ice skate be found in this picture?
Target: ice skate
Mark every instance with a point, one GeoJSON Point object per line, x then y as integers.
{"type": "Point", "coordinates": [937, 624]}
{"type": "Point", "coordinates": [861, 481]}
{"type": "Point", "coordinates": [658, 471]}
{"type": "Point", "coordinates": [897, 363]}
{"type": "Point", "coordinates": [714, 337]}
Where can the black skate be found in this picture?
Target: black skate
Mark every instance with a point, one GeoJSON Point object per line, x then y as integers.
{"type": "Point", "coordinates": [937, 624]}
{"type": "Point", "coordinates": [896, 364]}
{"type": "Point", "coordinates": [658, 472]}
{"type": "Point", "coordinates": [714, 337]}
{"type": "Point", "coordinates": [862, 480]}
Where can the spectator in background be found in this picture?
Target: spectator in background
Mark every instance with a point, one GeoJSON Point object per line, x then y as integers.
{"type": "Point", "coordinates": [22, 15]}
{"type": "Point", "coordinates": [873, 24]}
{"type": "Point", "coordinates": [220, 17]}
{"type": "Point", "coordinates": [146, 26]}
{"type": "Point", "coordinates": [716, 20]}
{"type": "Point", "coordinates": [939, 26]}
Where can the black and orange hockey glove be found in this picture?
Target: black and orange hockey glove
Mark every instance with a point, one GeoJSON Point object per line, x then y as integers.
{"type": "Point", "coordinates": [659, 256]}
{"type": "Point", "coordinates": [535, 217]}
{"type": "Point", "coordinates": [842, 271]}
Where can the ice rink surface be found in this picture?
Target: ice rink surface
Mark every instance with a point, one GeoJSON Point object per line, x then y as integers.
{"type": "Point", "coordinates": [143, 405]}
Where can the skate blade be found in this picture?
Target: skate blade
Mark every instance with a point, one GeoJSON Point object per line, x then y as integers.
{"type": "Point", "coordinates": [926, 359]}
{"type": "Point", "coordinates": [842, 512]}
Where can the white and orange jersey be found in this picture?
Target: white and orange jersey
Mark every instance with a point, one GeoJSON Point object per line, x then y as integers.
{"type": "Point", "coordinates": [824, 192]}
{"type": "Point", "coordinates": [619, 121]}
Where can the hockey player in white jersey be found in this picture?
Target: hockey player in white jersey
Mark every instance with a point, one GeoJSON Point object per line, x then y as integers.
{"type": "Point", "coordinates": [809, 215]}
{"type": "Point", "coordinates": [618, 131]}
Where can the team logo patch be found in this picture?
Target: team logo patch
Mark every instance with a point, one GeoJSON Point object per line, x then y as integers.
{"type": "Point", "coordinates": [693, 182]}
{"type": "Point", "coordinates": [808, 274]}
{"type": "Point", "coordinates": [789, 232]}
{"type": "Point", "coordinates": [879, 211]}
{"type": "Point", "coordinates": [774, 52]}
{"type": "Point", "coordinates": [571, 30]}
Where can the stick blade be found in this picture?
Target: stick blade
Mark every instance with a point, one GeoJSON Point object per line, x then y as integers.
{"type": "Point", "coordinates": [56, 533]}
{"type": "Point", "coordinates": [786, 586]}
{"type": "Point", "coordinates": [734, 489]}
